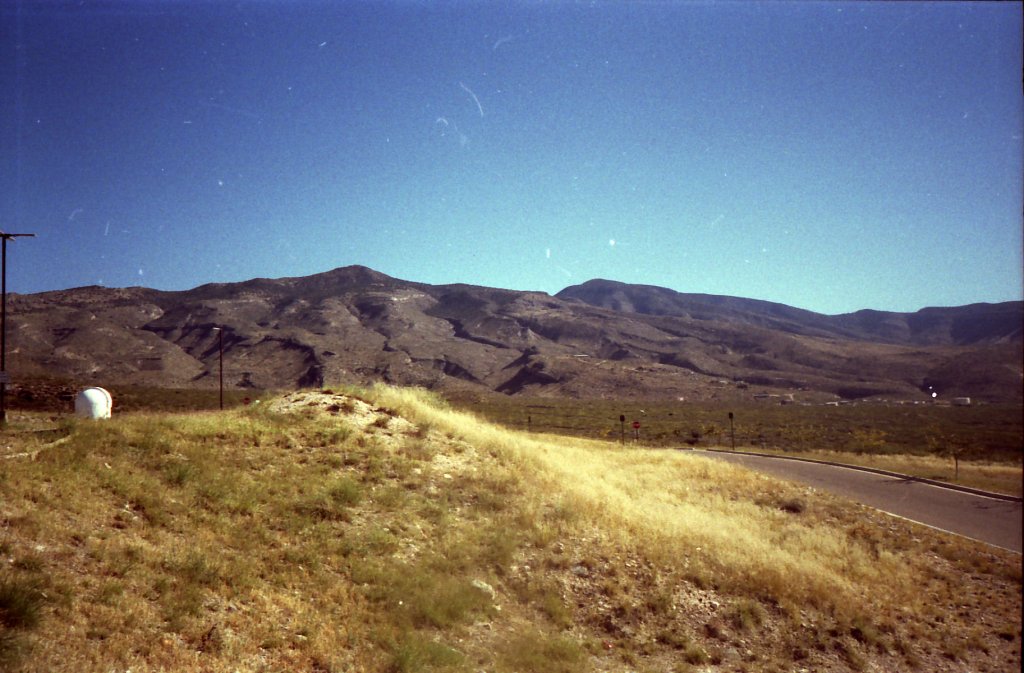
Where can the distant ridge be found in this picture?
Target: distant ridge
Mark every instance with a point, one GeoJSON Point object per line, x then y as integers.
{"type": "Point", "coordinates": [598, 339]}
{"type": "Point", "coordinates": [961, 325]}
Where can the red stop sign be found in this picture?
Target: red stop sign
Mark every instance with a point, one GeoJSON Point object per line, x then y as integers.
{"type": "Point", "coordinates": [636, 425]}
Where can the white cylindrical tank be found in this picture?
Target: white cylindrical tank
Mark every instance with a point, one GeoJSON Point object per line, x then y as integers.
{"type": "Point", "coordinates": [93, 403]}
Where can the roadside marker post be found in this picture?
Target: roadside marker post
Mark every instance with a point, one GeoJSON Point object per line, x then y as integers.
{"type": "Point", "coordinates": [622, 428]}
{"type": "Point", "coordinates": [636, 431]}
{"type": "Point", "coordinates": [732, 431]}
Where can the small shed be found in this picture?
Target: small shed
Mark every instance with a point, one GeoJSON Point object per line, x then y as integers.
{"type": "Point", "coordinates": [93, 403]}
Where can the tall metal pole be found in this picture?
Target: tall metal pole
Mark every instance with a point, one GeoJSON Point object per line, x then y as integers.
{"type": "Point", "coordinates": [3, 337]}
{"type": "Point", "coordinates": [220, 346]}
{"type": "Point", "coordinates": [3, 323]}
{"type": "Point", "coordinates": [220, 360]}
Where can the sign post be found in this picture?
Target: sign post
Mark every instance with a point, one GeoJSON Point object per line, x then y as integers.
{"type": "Point", "coordinates": [622, 427]}
{"type": "Point", "coordinates": [732, 432]}
{"type": "Point", "coordinates": [636, 430]}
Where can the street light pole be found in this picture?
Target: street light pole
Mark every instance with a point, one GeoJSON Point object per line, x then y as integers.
{"type": "Point", "coordinates": [3, 322]}
{"type": "Point", "coordinates": [220, 350]}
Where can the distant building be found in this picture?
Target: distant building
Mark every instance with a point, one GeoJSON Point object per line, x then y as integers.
{"type": "Point", "coordinates": [961, 401]}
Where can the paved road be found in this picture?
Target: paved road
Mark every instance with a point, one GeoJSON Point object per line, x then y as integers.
{"type": "Point", "coordinates": [996, 522]}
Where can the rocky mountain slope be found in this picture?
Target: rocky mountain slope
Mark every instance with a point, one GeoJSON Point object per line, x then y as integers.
{"type": "Point", "coordinates": [599, 339]}
{"type": "Point", "coordinates": [970, 325]}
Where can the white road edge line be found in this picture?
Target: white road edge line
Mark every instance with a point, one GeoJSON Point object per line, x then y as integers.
{"type": "Point", "coordinates": [897, 516]}
{"type": "Point", "coordinates": [941, 530]}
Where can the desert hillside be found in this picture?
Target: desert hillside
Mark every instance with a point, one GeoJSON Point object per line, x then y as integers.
{"type": "Point", "coordinates": [380, 530]}
{"type": "Point", "coordinates": [596, 340]}
{"type": "Point", "coordinates": [973, 324]}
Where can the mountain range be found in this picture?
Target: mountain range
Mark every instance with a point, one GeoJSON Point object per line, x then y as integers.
{"type": "Point", "coordinates": [598, 339]}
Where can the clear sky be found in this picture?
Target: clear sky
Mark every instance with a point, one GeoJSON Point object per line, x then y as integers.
{"type": "Point", "coordinates": [829, 156]}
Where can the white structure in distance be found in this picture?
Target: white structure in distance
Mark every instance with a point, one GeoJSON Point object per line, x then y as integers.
{"type": "Point", "coordinates": [93, 403]}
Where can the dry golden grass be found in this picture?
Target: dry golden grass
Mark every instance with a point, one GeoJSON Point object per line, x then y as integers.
{"type": "Point", "coordinates": [726, 527]}
{"type": "Point", "coordinates": [383, 531]}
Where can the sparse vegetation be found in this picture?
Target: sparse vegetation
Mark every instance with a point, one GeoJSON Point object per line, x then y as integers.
{"type": "Point", "coordinates": [980, 446]}
{"type": "Point", "coordinates": [307, 534]}
{"type": "Point", "coordinates": [21, 601]}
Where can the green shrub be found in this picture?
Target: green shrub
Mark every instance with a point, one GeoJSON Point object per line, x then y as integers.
{"type": "Point", "coordinates": [535, 653]}
{"type": "Point", "coordinates": [21, 604]}
{"type": "Point", "coordinates": [747, 614]}
{"type": "Point", "coordinates": [414, 652]}
{"type": "Point", "coordinates": [345, 491]}
{"type": "Point", "coordinates": [177, 474]}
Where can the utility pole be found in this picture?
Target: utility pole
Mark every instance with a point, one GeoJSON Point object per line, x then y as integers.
{"type": "Point", "coordinates": [3, 323]}
{"type": "Point", "coordinates": [220, 349]}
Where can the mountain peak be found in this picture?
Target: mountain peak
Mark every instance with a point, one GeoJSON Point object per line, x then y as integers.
{"type": "Point", "coordinates": [601, 338]}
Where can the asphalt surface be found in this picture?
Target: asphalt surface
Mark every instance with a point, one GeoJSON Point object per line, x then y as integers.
{"type": "Point", "coordinates": [997, 522]}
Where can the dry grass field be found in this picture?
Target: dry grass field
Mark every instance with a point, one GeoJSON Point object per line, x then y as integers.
{"type": "Point", "coordinates": [987, 441]}
{"type": "Point", "coordinates": [384, 531]}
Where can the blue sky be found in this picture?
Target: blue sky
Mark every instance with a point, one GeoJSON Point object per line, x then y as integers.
{"type": "Point", "coordinates": [830, 156]}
